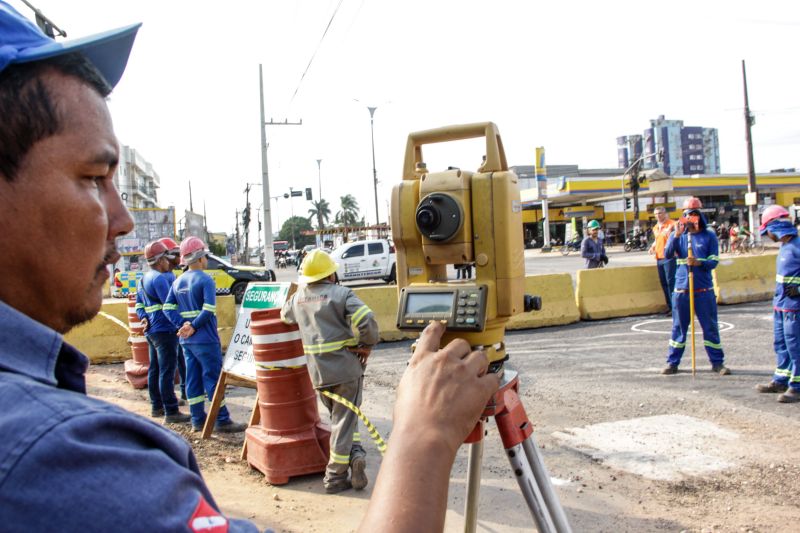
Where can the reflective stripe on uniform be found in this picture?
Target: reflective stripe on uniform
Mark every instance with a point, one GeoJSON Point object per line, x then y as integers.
{"type": "Point", "coordinates": [152, 308]}
{"type": "Point", "coordinates": [676, 344]}
{"type": "Point", "coordinates": [356, 437]}
{"type": "Point", "coordinates": [340, 459]}
{"type": "Point", "coordinates": [359, 315]}
{"type": "Point", "coordinates": [787, 279]}
{"type": "Point", "coordinates": [277, 337]}
{"type": "Point", "coordinates": [712, 345]}
{"type": "Point", "coordinates": [190, 314]}
{"type": "Point", "coordinates": [681, 261]}
{"type": "Point", "coordinates": [170, 307]}
{"type": "Point", "coordinates": [783, 372]}
{"type": "Point", "coordinates": [327, 347]}
{"type": "Point", "coordinates": [196, 400]}
{"type": "Point", "coordinates": [139, 306]}
{"type": "Point", "coordinates": [210, 308]}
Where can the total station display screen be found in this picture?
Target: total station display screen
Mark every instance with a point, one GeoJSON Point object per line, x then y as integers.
{"type": "Point", "coordinates": [425, 303]}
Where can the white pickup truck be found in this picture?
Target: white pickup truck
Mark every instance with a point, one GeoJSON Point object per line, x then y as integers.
{"type": "Point", "coordinates": [373, 259]}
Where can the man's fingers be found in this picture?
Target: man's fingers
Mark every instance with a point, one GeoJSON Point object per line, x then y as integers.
{"type": "Point", "coordinates": [477, 362]}
{"type": "Point", "coordinates": [429, 339]}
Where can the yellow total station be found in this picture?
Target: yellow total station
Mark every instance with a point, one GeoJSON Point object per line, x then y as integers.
{"type": "Point", "coordinates": [455, 217]}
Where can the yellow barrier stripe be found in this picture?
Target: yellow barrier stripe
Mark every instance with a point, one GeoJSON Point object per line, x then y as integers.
{"type": "Point", "coordinates": [373, 431]}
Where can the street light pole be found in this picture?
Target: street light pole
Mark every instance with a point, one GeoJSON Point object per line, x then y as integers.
{"type": "Point", "coordinates": [319, 178]}
{"type": "Point", "coordinates": [374, 172]}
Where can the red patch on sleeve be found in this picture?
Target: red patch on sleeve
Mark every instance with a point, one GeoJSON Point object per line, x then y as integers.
{"type": "Point", "coordinates": [206, 519]}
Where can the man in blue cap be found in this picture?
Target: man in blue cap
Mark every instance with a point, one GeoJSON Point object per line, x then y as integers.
{"type": "Point", "coordinates": [777, 225]}
{"type": "Point", "coordinates": [73, 463]}
{"type": "Point", "coordinates": [704, 258]}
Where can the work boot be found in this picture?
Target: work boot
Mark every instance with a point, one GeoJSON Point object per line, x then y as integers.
{"type": "Point", "coordinates": [669, 369]}
{"type": "Point", "coordinates": [772, 386]}
{"type": "Point", "coordinates": [337, 486]}
{"type": "Point", "coordinates": [358, 475]}
{"type": "Point", "coordinates": [157, 412]}
{"type": "Point", "coordinates": [197, 428]}
{"type": "Point", "coordinates": [181, 402]}
{"type": "Point", "coordinates": [229, 427]}
{"type": "Point", "coordinates": [721, 369]}
{"type": "Point", "coordinates": [177, 418]}
{"type": "Point", "coordinates": [790, 396]}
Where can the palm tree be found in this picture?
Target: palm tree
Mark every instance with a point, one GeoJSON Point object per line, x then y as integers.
{"type": "Point", "coordinates": [348, 216]}
{"type": "Point", "coordinates": [322, 212]}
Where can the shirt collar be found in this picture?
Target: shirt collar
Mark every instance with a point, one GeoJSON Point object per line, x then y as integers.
{"type": "Point", "coordinates": [28, 347]}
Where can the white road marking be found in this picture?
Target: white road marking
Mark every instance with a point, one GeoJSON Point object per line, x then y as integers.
{"type": "Point", "coordinates": [638, 327]}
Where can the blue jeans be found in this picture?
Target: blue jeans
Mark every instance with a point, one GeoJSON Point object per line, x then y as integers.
{"type": "Point", "coordinates": [786, 329]}
{"type": "Point", "coordinates": [666, 275]}
{"type": "Point", "coordinates": [203, 366]}
{"type": "Point", "coordinates": [161, 373]}
{"type": "Point", "coordinates": [705, 308]}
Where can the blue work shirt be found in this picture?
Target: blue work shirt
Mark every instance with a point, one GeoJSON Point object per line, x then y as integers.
{"type": "Point", "coordinates": [193, 298]}
{"type": "Point", "coordinates": [705, 248]}
{"type": "Point", "coordinates": [150, 298]}
{"type": "Point", "coordinates": [69, 462]}
{"type": "Point", "coordinates": [593, 251]}
{"type": "Point", "coordinates": [787, 267]}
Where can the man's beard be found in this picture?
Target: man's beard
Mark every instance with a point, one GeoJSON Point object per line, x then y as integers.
{"type": "Point", "coordinates": [87, 310]}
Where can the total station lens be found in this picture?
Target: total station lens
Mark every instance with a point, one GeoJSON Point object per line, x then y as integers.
{"type": "Point", "coordinates": [427, 218]}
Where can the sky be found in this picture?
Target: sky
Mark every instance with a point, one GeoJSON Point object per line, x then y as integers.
{"type": "Point", "coordinates": [567, 75]}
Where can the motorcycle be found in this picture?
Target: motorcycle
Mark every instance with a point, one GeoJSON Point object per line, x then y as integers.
{"type": "Point", "coordinates": [637, 242]}
{"type": "Point", "coordinates": [571, 246]}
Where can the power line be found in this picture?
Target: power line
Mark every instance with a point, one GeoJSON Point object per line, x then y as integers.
{"type": "Point", "coordinates": [299, 83]}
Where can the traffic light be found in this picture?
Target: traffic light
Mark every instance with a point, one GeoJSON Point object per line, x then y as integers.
{"type": "Point", "coordinates": [308, 194]}
{"type": "Point", "coordinates": [627, 203]}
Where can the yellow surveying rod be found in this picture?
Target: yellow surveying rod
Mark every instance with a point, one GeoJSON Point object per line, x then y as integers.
{"type": "Point", "coordinates": [690, 255]}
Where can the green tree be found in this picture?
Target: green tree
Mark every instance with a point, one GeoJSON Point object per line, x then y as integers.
{"type": "Point", "coordinates": [321, 211]}
{"type": "Point", "coordinates": [348, 216]}
{"type": "Point", "coordinates": [217, 248]}
{"type": "Point", "coordinates": [294, 227]}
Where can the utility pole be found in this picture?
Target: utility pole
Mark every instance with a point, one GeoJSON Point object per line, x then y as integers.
{"type": "Point", "coordinates": [752, 192]}
{"type": "Point", "coordinates": [191, 207]}
{"type": "Point", "coordinates": [246, 224]}
{"type": "Point", "coordinates": [269, 252]}
{"type": "Point", "coordinates": [374, 171]}
{"type": "Point", "coordinates": [258, 215]}
{"type": "Point", "coordinates": [237, 230]}
{"type": "Point", "coordinates": [319, 178]}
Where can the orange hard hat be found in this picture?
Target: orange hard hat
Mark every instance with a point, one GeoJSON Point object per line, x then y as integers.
{"type": "Point", "coordinates": [692, 203]}
{"type": "Point", "coordinates": [154, 251]}
{"type": "Point", "coordinates": [771, 213]}
{"type": "Point", "coordinates": [192, 249]}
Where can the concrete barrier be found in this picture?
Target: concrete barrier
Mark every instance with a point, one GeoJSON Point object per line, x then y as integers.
{"type": "Point", "coordinates": [383, 302]}
{"type": "Point", "coordinates": [558, 302]}
{"type": "Point", "coordinates": [105, 338]}
{"type": "Point", "coordinates": [745, 279]}
{"type": "Point", "coordinates": [614, 292]}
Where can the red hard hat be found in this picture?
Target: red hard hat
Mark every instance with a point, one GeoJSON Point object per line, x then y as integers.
{"type": "Point", "coordinates": [154, 251]}
{"type": "Point", "coordinates": [192, 249]}
{"type": "Point", "coordinates": [771, 213]}
{"type": "Point", "coordinates": [169, 243]}
{"type": "Point", "coordinates": [692, 203]}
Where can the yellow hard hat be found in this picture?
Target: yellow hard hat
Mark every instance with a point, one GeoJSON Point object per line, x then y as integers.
{"type": "Point", "coordinates": [316, 266]}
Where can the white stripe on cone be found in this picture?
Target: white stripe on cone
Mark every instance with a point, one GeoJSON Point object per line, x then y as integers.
{"type": "Point", "coordinates": [277, 337]}
{"type": "Point", "coordinates": [283, 363]}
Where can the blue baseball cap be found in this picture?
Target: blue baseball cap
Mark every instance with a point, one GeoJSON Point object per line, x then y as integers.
{"type": "Point", "coordinates": [21, 41]}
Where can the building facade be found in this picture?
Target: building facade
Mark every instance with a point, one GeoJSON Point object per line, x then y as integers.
{"type": "Point", "coordinates": [136, 180]}
{"type": "Point", "coordinates": [674, 148]}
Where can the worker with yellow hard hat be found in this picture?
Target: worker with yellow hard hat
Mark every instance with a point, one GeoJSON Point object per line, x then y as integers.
{"type": "Point", "coordinates": [327, 315]}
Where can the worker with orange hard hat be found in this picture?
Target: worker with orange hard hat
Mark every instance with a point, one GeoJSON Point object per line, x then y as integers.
{"type": "Point", "coordinates": [173, 255]}
{"type": "Point", "coordinates": [697, 251]}
{"type": "Point", "coordinates": [160, 334]}
{"type": "Point", "coordinates": [192, 307]}
{"type": "Point", "coordinates": [776, 224]}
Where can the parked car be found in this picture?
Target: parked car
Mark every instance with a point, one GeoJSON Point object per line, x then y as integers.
{"type": "Point", "coordinates": [374, 259]}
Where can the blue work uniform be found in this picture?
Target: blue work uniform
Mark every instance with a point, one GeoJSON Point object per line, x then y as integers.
{"type": "Point", "coordinates": [69, 462]}
{"type": "Point", "coordinates": [161, 340]}
{"type": "Point", "coordinates": [705, 248]}
{"type": "Point", "coordinates": [193, 298]}
{"type": "Point", "coordinates": [593, 251]}
{"type": "Point", "coordinates": [170, 277]}
{"type": "Point", "coordinates": [786, 325]}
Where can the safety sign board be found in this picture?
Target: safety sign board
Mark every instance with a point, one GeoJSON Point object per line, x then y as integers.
{"type": "Point", "coordinates": [258, 296]}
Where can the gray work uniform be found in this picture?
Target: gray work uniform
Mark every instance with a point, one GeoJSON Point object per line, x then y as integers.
{"type": "Point", "coordinates": [327, 314]}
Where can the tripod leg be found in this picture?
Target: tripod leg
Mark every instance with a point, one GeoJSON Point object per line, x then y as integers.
{"type": "Point", "coordinates": [473, 486]}
{"type": "Point", "coordinates": [551, 500]}
{"type": "Point", "coordinates": [530, 490]}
